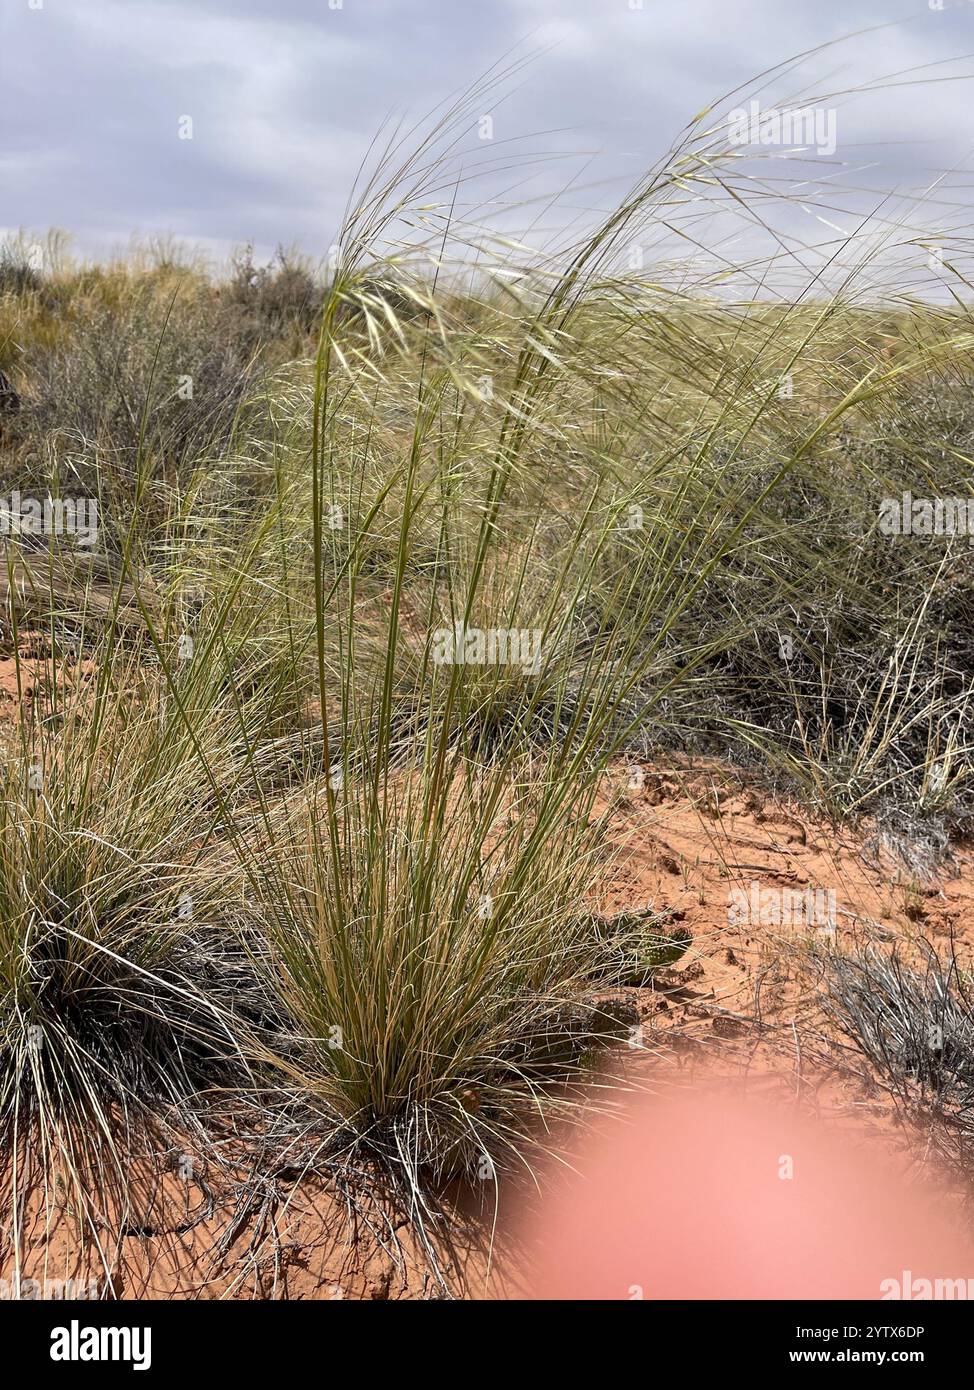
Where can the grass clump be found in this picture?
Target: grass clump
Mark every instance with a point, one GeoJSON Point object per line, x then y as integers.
{"type": "Point", "coordinates": [912, 1021]}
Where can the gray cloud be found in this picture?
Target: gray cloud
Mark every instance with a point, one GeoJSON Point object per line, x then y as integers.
{"type": "Point", "coordinates": [284, 96]}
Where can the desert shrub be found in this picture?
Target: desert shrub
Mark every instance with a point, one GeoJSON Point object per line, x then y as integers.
{"type": "Point", "coordinates": [912, 1022]}
{"type": "Point", "coordinates": [18, 274]}
{"type": "Point", "coordinates": [279, 300]}
{"type": "Point", "coordinates": [148, 379]}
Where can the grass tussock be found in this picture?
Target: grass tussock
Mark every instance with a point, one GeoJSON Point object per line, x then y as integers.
{"type": "Point", "coordinates": [912, 1023]}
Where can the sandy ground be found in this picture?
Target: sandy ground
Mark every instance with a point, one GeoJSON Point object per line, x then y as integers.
{"type": "Point", "coordinates": [24, 676]}
{"type": "Point", "coordinates": [758, 883]}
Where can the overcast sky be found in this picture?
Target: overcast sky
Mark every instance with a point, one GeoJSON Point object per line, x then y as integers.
{"type": "Point", "coordinates": [284, 96]}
